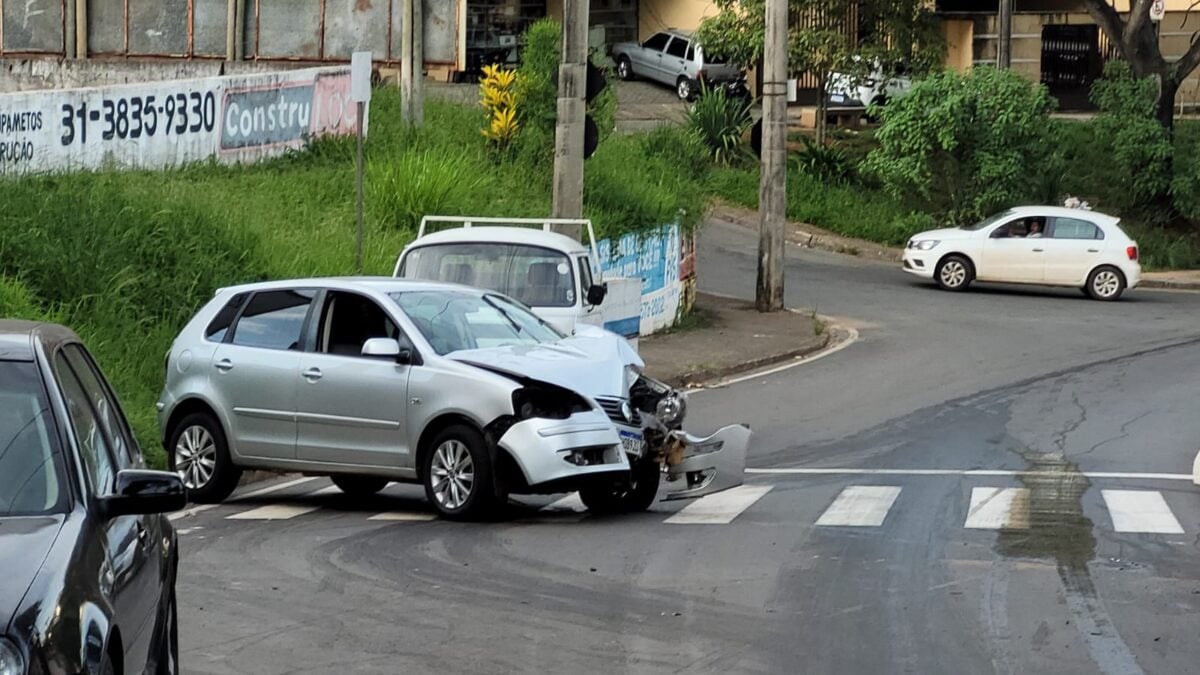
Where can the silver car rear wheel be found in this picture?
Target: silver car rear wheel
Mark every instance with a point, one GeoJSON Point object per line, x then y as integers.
{"type": "Point", "coordinates": [195, 457]}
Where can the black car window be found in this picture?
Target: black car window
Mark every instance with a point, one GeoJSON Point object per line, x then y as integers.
{"type": "Point", "coordinates": [678, 47]}
{"type": "Point", "coordinates": [86, 428]}
{"type": "Point", "coordinates": [107, 407]}
{"type": "Point", "coordinates": [32, 480]}
{"type": "Point", "coordinates": [220, 324]}
{"type": "Point", "coordinates": [349, 320]}
{"type": "Point", "coordinates": [1073, 228]}
{"type": "Point", "coordinates": [273, 319]}
{"type": "Point", "coordinates": [691, 53]}
{"type": "Point", "coordinates": [656, 42]}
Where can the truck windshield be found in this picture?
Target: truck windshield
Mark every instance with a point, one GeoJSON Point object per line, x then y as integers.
{"type": "Point", "coordinates": [30, 464]}
{"type": "Point", "coordinates": [536, 276]}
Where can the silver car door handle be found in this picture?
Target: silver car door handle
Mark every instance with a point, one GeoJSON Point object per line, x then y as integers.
{"type": "Point", "coordinates": [312, 374]}
{"type": "Point", "coordinates": [224, 365]}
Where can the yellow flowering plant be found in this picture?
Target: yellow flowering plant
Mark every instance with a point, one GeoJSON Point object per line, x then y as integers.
{"type": "Point", "coordinates": [498, 96]}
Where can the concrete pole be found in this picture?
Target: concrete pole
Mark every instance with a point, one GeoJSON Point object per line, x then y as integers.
{"type": "Point", "coordinates": [239, 51]}
{"type": "Point", "coordinates": [407, 96]}
{"type": "Point", "coordinates": [230, 30]}
{"type": "Point", "coordinates": [81, 29]}
{"type": "Point", "coordinates": [1004, 56]}
{"type": "Point", "coordinates": [418, 73]}
{"type": "Point", "coordinates": [772, 194]}
{"type": "Point", "coordinates": [69, 30]}
{"type": "Point", "coordinates": [568, 134]}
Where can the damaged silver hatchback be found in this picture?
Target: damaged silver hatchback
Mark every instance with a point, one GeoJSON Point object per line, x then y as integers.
{"type": "Point", "coordinates": [372, 380]}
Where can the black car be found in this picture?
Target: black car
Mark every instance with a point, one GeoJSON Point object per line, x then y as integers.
{"type": "Point", "coordinates": [87, 561]}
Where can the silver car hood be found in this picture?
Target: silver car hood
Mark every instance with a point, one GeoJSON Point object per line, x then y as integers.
{"type": "Point", "coordinates": [593, 364]}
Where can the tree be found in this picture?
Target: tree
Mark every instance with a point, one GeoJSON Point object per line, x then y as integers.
{"type": "Point", "coordinates": [1136, 38]}
{"type": "Point", "coordinates": [826, 36]}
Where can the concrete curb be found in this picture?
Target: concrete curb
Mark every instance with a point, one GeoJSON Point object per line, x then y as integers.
{"type": "Point", "coordinates": [705, 376]}
{"type": "Point", "coordinates": [1169, 284]}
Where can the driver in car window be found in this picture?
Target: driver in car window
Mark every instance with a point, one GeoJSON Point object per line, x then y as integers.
{"type": "Point", "coordinates": [1035, 228]}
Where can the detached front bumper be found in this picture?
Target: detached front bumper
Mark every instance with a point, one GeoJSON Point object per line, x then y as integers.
{"type": "Point", "coordinates": [583, 446]}
{"type": "Point", "coordinates": [698, 466]}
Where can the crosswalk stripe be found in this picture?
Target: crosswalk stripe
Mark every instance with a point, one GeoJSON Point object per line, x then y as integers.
{"type": "Point", "coordinates": [571, 503]}
{"type": "Point", "coordinates": [719, 508]}
{"type": "Point", "coordinates": [403, 516]}
{"type": "Point", "coordinates": [998, 508]}
{"type": "Point", "coordinates": [1140, 511]}
{"type": "Point", "coordinates": [273, 512]}
{"type": "Point", "coordinates": [327, 490]}
{"type": "Point", "coordinates": [860, 506]}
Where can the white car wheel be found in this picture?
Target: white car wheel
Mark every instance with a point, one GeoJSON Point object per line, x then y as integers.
{"type": "Point", "coordinates": [954, 273]}
{"type": "Point", "coordinates": [1105, 283]}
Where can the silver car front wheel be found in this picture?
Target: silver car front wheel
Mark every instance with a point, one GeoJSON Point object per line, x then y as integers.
{"type": "Point", "coordinates": [457, 472]}
{"type": "Point", "coordinates": [453, 475]}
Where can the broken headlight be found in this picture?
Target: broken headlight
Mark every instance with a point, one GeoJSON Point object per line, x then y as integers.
{"type": "Point", "coordinates": [547, 401]}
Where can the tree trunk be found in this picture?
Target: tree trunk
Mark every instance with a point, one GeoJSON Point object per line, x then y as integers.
{"type": "Point", "coordinates": [1168, 89]}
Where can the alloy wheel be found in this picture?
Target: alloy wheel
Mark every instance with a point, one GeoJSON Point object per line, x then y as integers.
{"type": "Point", "coordinates": [453, 474]}
{"type": "Point", "coordinates": [1106, 283]}
{"type": "Point", "coordinates": [953, 273]}
{"type": "Point", "coordinates": [684, 89]}
{"type": "Point", "coordinates": [195, 457]}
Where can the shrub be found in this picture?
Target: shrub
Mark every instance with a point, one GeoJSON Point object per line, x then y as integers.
{"type": "Point", "coordinates": [16, 302]}
{"type": "Point", "coordinates": [720, 121]}
{"type": "Point", "coordinates": [420, 183]}
{"type": "Point", "coordinates": [965, 145]}
{"type": "Point", "coordinates": [679, 147]}
{"type": "Point", "coordinates": [1136, 148]}
{"type": "Point", "coordinates": [825, 162]}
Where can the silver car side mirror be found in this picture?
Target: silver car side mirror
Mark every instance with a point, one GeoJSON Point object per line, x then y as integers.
{"type": "Point", "coordinates": [382, 348]}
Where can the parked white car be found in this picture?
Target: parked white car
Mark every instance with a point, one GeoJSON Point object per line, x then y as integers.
{"type": "Point", "coordinates": [1044, 245]}
{"type": "Point", "coordinates": [846, 91]}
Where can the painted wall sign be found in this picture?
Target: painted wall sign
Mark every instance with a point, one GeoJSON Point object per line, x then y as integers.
{"type": "Point", "coordinates": [655, 258]}
{"type": "Point", "coordinates": [160, 124]}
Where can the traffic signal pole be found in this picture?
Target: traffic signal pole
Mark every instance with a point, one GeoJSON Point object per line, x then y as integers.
{"type": "Point", "coordinates": [568, 133]}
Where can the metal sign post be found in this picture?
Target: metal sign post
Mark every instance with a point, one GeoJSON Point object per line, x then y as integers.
{"type": "Point", "coordinates": [360, 93]}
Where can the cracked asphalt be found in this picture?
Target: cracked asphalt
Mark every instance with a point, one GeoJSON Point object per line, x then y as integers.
{"type": "Point", "coordinates": [994, 481]}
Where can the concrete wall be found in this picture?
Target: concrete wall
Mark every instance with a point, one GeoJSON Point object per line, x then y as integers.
{"type": "Point", "coordinates": [41, 73]}
{"type": "Point", "coordinates": [655, 15]}
{"type": "Point", "coordinates": [959, 48]}
{"type": "Point", "coordinates": [314, 30]}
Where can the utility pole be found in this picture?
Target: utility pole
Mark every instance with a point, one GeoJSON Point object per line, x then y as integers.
{"type": "Point", "coordinates": [418, 61]}
{"type": "Point", "coordinates": [772, 195]}
{"type": "Point", "coordinates": [568, 133]}
{"type": "Point", "coordinates": [1004, 56]}
{"type": "Point", "coordinates": [411, 110]}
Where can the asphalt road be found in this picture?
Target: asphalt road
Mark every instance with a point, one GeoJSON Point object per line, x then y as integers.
{"type": "Point", "coordinates": [995, 481]}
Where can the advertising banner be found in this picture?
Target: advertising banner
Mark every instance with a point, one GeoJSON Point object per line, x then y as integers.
{"type": "Point", "coordinates": [162, 124]}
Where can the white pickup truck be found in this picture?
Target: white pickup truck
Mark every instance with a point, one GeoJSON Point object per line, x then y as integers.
{"type": "Point", "coordinates": [557, 277]}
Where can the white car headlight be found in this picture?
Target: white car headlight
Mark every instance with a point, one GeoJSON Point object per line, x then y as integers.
{"type": "Point", "coordinates": [11, 660]}
{"type": "Point", "coordinates": [925, 245]}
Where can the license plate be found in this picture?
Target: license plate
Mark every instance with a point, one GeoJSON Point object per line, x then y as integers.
{"type": "Point", "coordinates": [837, 98]}
{"type": "Point", "coordinates": [632, 443]}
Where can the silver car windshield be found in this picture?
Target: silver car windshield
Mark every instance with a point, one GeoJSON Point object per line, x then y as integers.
{"type": "Point", "coordinates": [30, 463]}
{"type": "Point", "coordinates": [452, 320]}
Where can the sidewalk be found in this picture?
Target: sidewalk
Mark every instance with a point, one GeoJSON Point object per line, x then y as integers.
{"type": "Point", "coordinates": [809, 236]}
{"type": "Point", "coordinates": [724, 336]}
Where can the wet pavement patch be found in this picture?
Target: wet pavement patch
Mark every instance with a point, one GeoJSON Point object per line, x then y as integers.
{"type": "Point", "coordinates": [1053, 507]}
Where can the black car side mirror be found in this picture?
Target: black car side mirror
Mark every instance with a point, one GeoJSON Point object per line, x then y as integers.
{"type": "Point", "coordinates": [140, 492]}
{"type": "Point", "coordinates": [404, 357]}
{"type": "Point", "coordinates": [596, 294]}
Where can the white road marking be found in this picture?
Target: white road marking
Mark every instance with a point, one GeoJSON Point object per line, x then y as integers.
{"type": "Point", "coordinates": [571, 503]}
{"type": "Point", "coordinates": [328, 490]}
{"type": "Point", "coordinates": [992, 509]}
{"type": "Point", "coordinates": [965, 472]}
{"type": "Point", "coordinates": [273, 512]}
{"type": "Point", "coordinates": [721, 507]}
{"type": "Point", "coordinates": [860, 506]}
{"type": "Point", "coordinates": [1140, 511]}
{"type": "Point", "coordinates": [404, 516]}
{"type": "Point", "coordinates": [200, 508]}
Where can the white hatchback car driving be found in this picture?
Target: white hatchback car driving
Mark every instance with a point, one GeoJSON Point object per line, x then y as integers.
{"type": "Point", "coordinates": [1043, 245]}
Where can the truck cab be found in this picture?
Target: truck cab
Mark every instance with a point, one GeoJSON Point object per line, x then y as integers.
{"type": "Point", "coordinates": [556, 276]}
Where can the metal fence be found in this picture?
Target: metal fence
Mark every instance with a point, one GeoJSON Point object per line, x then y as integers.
{"type": "Point", "coordinates": [283, 30]}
